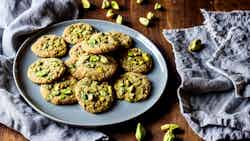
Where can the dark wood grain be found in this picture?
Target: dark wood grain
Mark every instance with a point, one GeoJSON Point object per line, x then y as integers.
{"type": "Point", "coordinates": [176, 14]}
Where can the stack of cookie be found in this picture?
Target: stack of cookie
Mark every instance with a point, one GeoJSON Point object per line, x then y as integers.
{"type": "Point", "coordinates": [87, 75]}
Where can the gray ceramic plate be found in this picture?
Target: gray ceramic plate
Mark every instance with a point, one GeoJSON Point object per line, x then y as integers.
{"type": "Point", "coordinates": [73, 114]}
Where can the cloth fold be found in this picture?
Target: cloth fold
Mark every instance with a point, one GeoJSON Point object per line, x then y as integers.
{"type": "Point", "coordinates": [206, 97]}
{"type": "Point", "coordinates": [21, 18]}
{"type": "Point", "coordinates": [231, 32]}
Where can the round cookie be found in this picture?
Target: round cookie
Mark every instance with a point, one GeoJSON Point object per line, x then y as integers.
{"type": "Point", "coordinates": [46, 70]}
{"type": "Point", "coordinates": [136, 60]}
{"type": "Point", "coordinates": [132, 87]}
{"type": "Point", "coordinates": [94, 67]}
{"type": "Point", "coordinates": [123, 39]}
{"type": "Point", "coordinates": [76, 51]}
{"type": "Point", "coordinates": [100, 43]}
{"type": "Point", "coordinates": [49, 46]}
{"type": "Point", "coordinates": [94, 96]}
{"type": "Point", "coordinates": [60, 92]}
{"type": "Point", "coordinates": [77, 32]}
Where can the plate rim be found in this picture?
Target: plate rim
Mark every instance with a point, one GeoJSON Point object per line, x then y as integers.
{"type": "Point", "coordinates": [47, 115]}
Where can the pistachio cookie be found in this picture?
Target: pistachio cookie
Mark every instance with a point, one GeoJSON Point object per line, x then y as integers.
{"type": "Point", "coordinates": [100, 43]}
{"type": "Point", "coordinates": [76, 51]}
{"type": "Point", "coordinates": [49, 46]}
{"type": "Point", "coordinates": [136, 60]}
{"type": "Point", "coordinates": [132, 87]}
{"type": "Point", "coordinates": [78, 32]}
{"type": "Point", "coordinates": [46, 70]}
{"type": "Point", "coordinates": [123, 39]}
{"type": "Point", "coordinates": [94, 96]}
{"type": "Point", "coordinates": [60, 92]}
{"type": "Point", "coordinates": [94, 67]}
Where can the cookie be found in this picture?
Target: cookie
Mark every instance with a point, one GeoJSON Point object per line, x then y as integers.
{"type": "Point", "coordinates": [136, 60]}
{"type": "Point", "coordinates": [94, 67]}
{"type": "Point", "coordinates": [124, 40]}
{"type": "Point", "coordinates": [60, 92]}
{"type": "Point", "coordinates": [132, 87]}
{"type": "Point", "coordinates": [46, 70]}
{"type": "Point", "coordinates": [77, 32]}
{"type": "Point", "coordinates": [49, 46]}
{"type": "Point", "coordinates": [76, 51]}
{"type": "Point", "coordinates": [94, 96]}
{"type": "Point", "coordinates": [100, 43]}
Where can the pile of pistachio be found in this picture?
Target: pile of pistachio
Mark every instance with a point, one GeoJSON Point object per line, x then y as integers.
{"type": "Point", "coordinates": [114, 5]}
{"type": "Point", "coordinates": [140, 133]}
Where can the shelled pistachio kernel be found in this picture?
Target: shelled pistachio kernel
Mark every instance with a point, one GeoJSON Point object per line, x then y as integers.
{"type": "Point", "coordinates": [105, 4]}
{"type": "Point", "coordinates": [110, 13]}
{"type": "Point", "coordinates": [115, 5]}
{"type": "Point", "coordinates": [157, 6]}
{"type": "Point", "coordinates": [86, 4]}
{"type": "Point", "coordinates": [170, 126]}
{"type": "Point", "coordinates": [140, 132]}
{"type": "Point", "coordinates": [150, 15]}
{"type": "Point", "coordinates": [169, 136]}
{"type": "Point", "coordinates": [195, 46]}
{"type": "Point", "coordinates": [144, 21]}
{"type": "Point", "coordinates": [139, 1]}
{"type": "Point", "coordinates": [119, 19]}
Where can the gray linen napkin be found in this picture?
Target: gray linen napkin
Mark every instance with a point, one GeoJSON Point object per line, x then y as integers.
{"type": "Point", "coordinates": [206, 97]}
{"type": "Point", "coordinates": [20, 18]}
{"type": "Point", "coordinates": [231, 31]}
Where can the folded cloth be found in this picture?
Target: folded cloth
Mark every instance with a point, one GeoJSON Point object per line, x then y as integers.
{"type": "Point", "coordinates": [21, 18]}
{"type": "Point", "coordinates": [231, 31]}
{"type": "Point", "coordinates": [206, 97]}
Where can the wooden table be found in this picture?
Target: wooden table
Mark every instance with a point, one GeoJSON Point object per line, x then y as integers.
{"type": "Point", "coordinates": [176, 14]}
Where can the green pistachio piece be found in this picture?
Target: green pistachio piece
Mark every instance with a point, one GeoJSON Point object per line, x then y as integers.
{"type": "Point", "coordinates": [144, 21]}
{"type": "Point", "coordinates": [103, 93]}
{"type": "Point", "coordinates": [99, 69]}
{"type": "Point", "coordinates": [145, 57]}
{"type": "Point", "coordinates": [105, 4]}
{"type": "Point", "coordinates": [195, 46]}
{"type": "Point", "coordinates": [84, 96]}
{"type": "Point", "coordinates": [110, 13]}
{"type": "Point", "coordinates": [66, 91]}
{"type": "Point", "coordinates": [150, 15]}
{"type": "Point", "coordinates": [92, 42]}
{"type": "Point", "coordinates": [94, 58]}
{"type": "Point", "coordinates": [86, 4]}
{"type": "Point", "coordinates": [115, 5]}
{"type": "Point", "coordinates": [130, 54]}
{"type": "Point", "coordinates": [140, 132]}
{"type": "Point", "coordinates": [169, 136]}
{"type": "Point", "coordinates": [62, 97]}
{"type": "Point", "coordinates": [169, 127]}
{"type": "Point", "coordinates": [119, 19]}
{"type": "Point", "coordinates": [139, 1]}
{"type": "Point", "coordinates": [42, 73]}
{"type": "Point", "coordinates": [157, 6]}
{"type": "Point", "coordinates": [55, 93]}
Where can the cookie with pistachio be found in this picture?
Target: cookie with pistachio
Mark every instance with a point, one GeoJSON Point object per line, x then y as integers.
{"type": "Point", "coordinates": [132, 87]}
{"type": "Point", "coordinates": [124, 40]}
{"type": "Point", "coordinates": [94, 67]}
{"type": "Point", "coordinates": [60, 92]}
{"type": "Point", "coordinates": [76, 51]}
{"type": "Point", "coordinates": [94, 96]}
{"type": "Point", "coordinates": [77, 32]}
{"type": "Point", "coordinates": [46, 70]}
{"type": "Point", "coordinates": [49, 46]}
{"type": "Point", "coordinates": [100, 43]}
{"type": "Point", "coordinates": [136, 60]}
